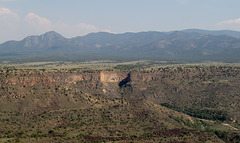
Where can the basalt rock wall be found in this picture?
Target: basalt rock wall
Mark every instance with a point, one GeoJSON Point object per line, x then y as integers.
{"type": "Point", "coordinates": [183, 87]}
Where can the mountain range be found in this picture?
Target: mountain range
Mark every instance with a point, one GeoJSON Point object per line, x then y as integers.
{"type": "Point", "coordinates": [186, 45]}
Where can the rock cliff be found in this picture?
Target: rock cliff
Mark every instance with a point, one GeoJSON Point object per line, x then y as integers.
{"type": "Point", "coordinates": [184, 87]}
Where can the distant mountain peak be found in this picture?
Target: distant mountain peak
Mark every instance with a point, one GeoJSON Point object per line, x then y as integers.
{"type": "Point", "coordinates": [47, 35]}
{"type": "Point", "coordinates": [52, 33]}
{"type": "Point", "coordinates": [200, 45]}
{"type": "Point", "coordinates": [45, 40]}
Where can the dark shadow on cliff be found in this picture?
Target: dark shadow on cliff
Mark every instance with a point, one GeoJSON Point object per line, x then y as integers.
{"type": "Point", "coordinates": [125, 81]}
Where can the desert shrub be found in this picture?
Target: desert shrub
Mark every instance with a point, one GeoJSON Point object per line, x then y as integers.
{"type": "Point", "coordinates": [200, 113]}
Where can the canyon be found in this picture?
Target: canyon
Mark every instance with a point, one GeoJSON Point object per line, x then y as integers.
{"type": "Point", "coordinates": [173, 99]}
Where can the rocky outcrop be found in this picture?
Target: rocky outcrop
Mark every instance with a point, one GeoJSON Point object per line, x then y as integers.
{"type": "Point", "coordinates": [181, 86]}
{"type": "Point", "coordinates": [112, 76]}
{"type": "Point", "coordinates": [30, 78]}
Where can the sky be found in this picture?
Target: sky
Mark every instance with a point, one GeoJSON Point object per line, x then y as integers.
{"type": "Point", "coordinates": [71, 18]}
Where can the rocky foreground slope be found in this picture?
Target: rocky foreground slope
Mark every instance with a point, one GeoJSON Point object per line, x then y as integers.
{"type": "Point", "coordinates": [186, 104]}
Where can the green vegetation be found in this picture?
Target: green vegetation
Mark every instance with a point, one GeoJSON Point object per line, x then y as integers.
{"type": "Point", "coordinates": [150, 103]}
{"type": "Point", "coordinates": [200, 113]}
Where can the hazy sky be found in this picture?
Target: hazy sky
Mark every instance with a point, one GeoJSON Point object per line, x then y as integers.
{"type": "Point", "coordinates": [70, 18]}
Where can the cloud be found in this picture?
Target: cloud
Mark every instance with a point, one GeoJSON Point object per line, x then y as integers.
{"type": "Point", "coordinates": [108, 31]}
{"type": "Point", "coordinates": [231, 21]}
{"type": "Point", "coordinates": [76, 29]}
{"type": "Point", "coordinates": [41, 25]}
{"type": "Point", "coordinates": [8, 19]}
{"type": "Point", "coordinates": [87, 27]}
{"type": "Point", "coordinates": [5, 11]}
{"type": "Point", "coordinates": [18, 27]}
{"type": "Point", "coordinates": [9, 23]}
{"type": "Point", "coordinates": [38, 22]}
{"type": "Point", "coordinates": [7, 14]}
{"type": "Point", "coordinates": [231, 24]}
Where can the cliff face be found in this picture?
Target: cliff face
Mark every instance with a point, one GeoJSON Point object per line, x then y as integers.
{"type": "Point", "coordinates": [205, 87]}
{"type": "Point", "coordinates": [33, 78]}
{"type": "Point", "coordinates": [26, 78]}
{"type": "Point", "coordinates": [112, 76]}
